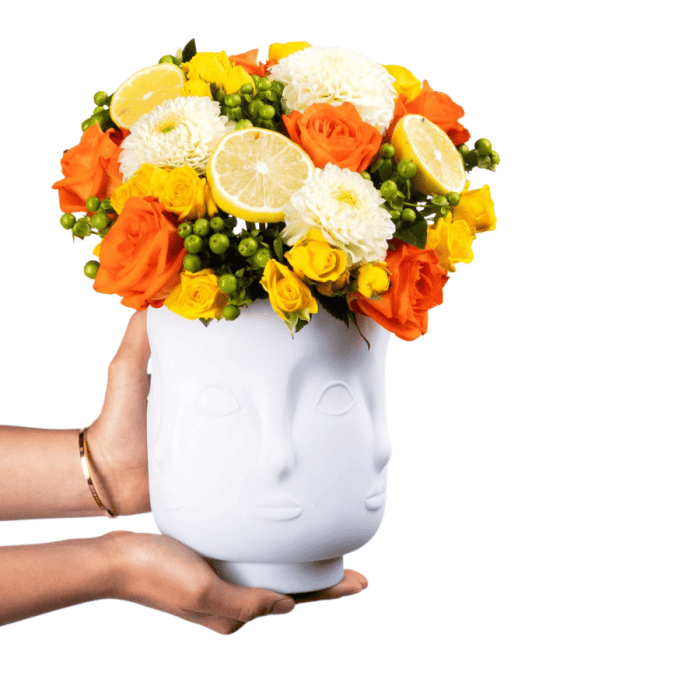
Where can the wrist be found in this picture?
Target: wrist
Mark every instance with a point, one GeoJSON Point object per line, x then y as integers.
{"type": "Point", "coordinates": [116, 549]}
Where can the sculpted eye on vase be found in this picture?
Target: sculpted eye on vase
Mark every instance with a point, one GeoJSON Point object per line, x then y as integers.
{"type": "Point", "coordinates": [268, 452]}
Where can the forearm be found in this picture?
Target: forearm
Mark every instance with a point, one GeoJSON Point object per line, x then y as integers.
{"type": "Point", "coordinates": [38, 578]}
{"type": "Point", "coordinates": [41, 476]}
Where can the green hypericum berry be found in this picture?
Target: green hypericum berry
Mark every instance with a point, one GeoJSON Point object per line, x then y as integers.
{"type": "Point", "coordinates": [387, 151]}
{"type": "Point", "coordinates": [463, 150]}
{"type": "Point", "coordinates": [266, 112]}
{"type": "Point", "coordinates": [483, 147]}
{"type": "Point", "coordinates": [184, 229]}
{"type": "Point", "coordinates": [91, 268]}
{"type": "Point", "coordinates": [167, 59]}
{"type": "Point", "coordinates": [81, 229]}
{"type": "Point", "coordinates": [453, 198]}
{"type": "Point", "coordinates": [97, 110]}
{"type": "Point", "coordinates": [243, 124]}
{"type": "Point", "coordinates": [395, 214]}
{"type": "Point", "coordinates": [219, 243]}
{"type": "Point", "coordinates": [254, 108]}
{"type": "Point", "coordinates": [106, 205]}
{"type": "Point", "coordinates": [201, 227]}
{"type": "Point", "coordinates": [270, 95]}
{"type": "Point", "coordinates": [388, 190]}
{"type": "Point", "coordinates": [220, 96]}
{"type": "Point", "coordinates": [102, 118]}
{"type": "Point", "coordinates": [439, 201]}
{"type": "Point", "coordinates": [233, 100]}
{"type": "Point", "coordinates": [495, 158]}
{"type": "Point", "coordinates": [217, 224]}
{"type": "Point", "coordinates": [264, 84]}
{"type": "Point", "coordinates": [192, 263]}
{"type": "Point", "coordinates": [233, 114]}
{"type": "Point", "coordinates": [92, 203]}
{"type": "Point", "coordinates": [230, 312]}
{"type": "Point", "coordinates": [68, 221]}
{"type": "Point", "coordinates": [408, 216]}
{"type": "Point", "coordinates": [86, 124]}
{"type": "Point", "coordinates": [194, 243]}
{"type": "Point", "coordinates": [247, 89]}
{"type": "Point", "coordinates": [100, 220]}
{"type": "Point", "coordinates": [267, 124]}
{"type": "Point", "coordinates": [366, 175]}
{"type": "Point", "coordinates": [260, 258]}
{"type": "Point", "coordinates": [228, 284]}
{"type": "Point", "coordinates": [100, 98]}
{"type": "Point", "coordinates": [406, 168]}
{"type": "Point", "coordinates": [278, 86]}
{"type": "Point", "coordinates": [247, 247]}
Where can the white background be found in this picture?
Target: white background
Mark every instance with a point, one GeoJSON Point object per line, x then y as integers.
{"type": "Point", "coordinates": [541, 533]}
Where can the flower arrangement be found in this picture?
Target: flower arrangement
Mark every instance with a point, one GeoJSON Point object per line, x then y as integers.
{"type": "Point", "coordinates": [319, 177]}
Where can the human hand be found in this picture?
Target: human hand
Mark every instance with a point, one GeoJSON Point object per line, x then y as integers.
{"type": "Point", "coordinates": [162, 573]}
{"type": "Point", "coordinates": [117, 439]}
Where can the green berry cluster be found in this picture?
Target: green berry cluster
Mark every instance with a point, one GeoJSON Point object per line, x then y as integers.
{"type": "Point", "coordinates": [169, 58]}
{"type": "Point", "coordinates": [100, 114]}
{"type": "Point", "coordinates": [481, 156]}
{"type": "Point", "coordinates": [253, 105]}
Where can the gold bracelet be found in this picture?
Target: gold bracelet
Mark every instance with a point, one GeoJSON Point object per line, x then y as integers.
{"type": "Point", "coordinates": [85, 462]}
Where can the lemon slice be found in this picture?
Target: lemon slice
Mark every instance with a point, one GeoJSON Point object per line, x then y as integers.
{"type": "Point", "coordinates": [440, 168]}
{"type": "Point", "coordinates": [254, 172]}
{"type": "Point", "coordinates": [143, 91]}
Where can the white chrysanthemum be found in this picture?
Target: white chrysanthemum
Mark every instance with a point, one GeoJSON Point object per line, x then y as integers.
{"type": "Point", "coordinates": [346, 208]}
{"type": "Point", "coordinates": [178, 132]}
{"type": "Point", "coordinates": [335, 76]}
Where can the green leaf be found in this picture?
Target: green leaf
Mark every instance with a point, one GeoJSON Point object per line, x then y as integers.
{"type": "Point", "coordinates": [189, 51]}
{"type": "Point", "coordinates": [336, 307]}
{"type": "Point", "coordinates": [353, 318]}
{"type": "Point", "coordinates": [279, 250]}
{"type": "Point", "coordinates": [205, 321]}
{"type": "Point", "coordinates": [416, 234]}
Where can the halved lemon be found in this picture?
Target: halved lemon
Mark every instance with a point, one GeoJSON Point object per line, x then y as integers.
{"type": "Point", "coordinates": [440, 168]}
{"type": "Point", "coordinates": [254, 172]}
{"type": "Point", "coordinates": [143, 91]}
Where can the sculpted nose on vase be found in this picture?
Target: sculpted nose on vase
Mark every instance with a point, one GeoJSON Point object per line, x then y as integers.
{"type": "Point", "coordinates": [277, 456]}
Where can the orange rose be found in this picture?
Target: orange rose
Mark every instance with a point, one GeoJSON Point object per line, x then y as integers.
{"type": "Point", "coordinates": [90, 169]}
{"type": "Point", "coordinates": [417, 279]}
{"type": "Point", "coordinates": [334, 135]}
{"type": "Point", "coordinates": [141, 256]}
{"type": "Point", "coordinates": [249, 62]}
{"type": "Point", "coordinates": [435, 106]}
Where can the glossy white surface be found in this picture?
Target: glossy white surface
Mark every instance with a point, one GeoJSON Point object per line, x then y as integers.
{"type": "Point", "coordinates": [267, 450]}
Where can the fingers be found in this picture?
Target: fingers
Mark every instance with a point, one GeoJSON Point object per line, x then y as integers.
{"type": "Point", "coordinates": [228, 600]}
{"type": "Point", "coordinates": [353, 582]}
{"type": "Point", "coordinates": [135, 350]}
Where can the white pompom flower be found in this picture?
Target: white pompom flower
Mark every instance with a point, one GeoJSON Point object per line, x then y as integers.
{"type": "Point", "coordinates": [319, 74]}
{"type": "Point", "coordinates": [178, 132]}
{"type": "Point", "coordinates": [346, 208]}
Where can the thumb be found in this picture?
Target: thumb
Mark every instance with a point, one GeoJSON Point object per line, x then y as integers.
{"type": "Point", "coordinates": [134, 349]}
{"type": "Point", "coordinates": [245, 604]}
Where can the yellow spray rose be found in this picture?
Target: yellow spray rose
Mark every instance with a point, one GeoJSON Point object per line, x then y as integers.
{"type": "Point", "coordinates": [452, 241]}
{"type": "Point", "coordinates": [336, 288]}
{"type": "Point", "coordinates": [196, 88]}
{"type": "Point", "coordinates": [197, 296]}
{"type": "Point", "coordinates": [405, 83]}
{"type": "Point", "coordinates": [235, 77]}
{"type": "Point", "coordinates": [187, 195]}
{"type": "Point", "coordinates": [313, 258]}
{"type": "Point", "coordinates": [208, 66]}
{"type": "Point", "coordinates": [147, 181]}
{"type": "Point", "coordinates": [289, 296]}
{"type": "Point", "coordinates": [373, 279]}
{"type": "Point", "coordinates": [277, 52]}
{"type": "Point", "coordinates": [476, 208]}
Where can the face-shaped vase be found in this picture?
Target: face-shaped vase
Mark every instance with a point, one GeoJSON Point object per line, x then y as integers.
{"type": "Point", "coordinates": [267, 452]}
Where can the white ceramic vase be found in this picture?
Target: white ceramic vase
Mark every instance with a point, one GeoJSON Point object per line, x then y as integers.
{"type": "Point", "coordinates": [267, 453]}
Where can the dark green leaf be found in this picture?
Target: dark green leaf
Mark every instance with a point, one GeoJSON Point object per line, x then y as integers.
{"type": "Point", "coordinates": [336, 307]}
{"type": "Point", "coordinates": [353, 318]}
{"type": "Point", "coordinates": [205, 321]}
{"type": "Point", "coordinates": [416, 234]}
{"type": "Point", "coordinates": [279, 250]}
{"type": "Point", "coordinates": [189, 51]}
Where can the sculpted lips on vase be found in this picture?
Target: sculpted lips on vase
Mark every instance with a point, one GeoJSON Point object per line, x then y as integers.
{"type": "Point", "coordinates": [277, 507]}
{"type": "Point", "coordinates": [376, 496]}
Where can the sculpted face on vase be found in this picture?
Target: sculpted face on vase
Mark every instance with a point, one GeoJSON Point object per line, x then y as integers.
{"type": "Point", "coordinates": [267, 453]}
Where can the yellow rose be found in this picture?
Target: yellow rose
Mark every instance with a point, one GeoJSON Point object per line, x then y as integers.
{"type": "Point", "coordinates": [289, 296]}
{"type": "Point", "coordinates": [196, 88]}
{"type": "Point", "coordinates": [147, 181]}
{"type": "Point", "coordinates": [277, 52]}
{"type": "Point", "coordinates": [452, 241]}
{"type": "Point", "coordinates": [337, 288]}
{"type": "Point", "coordinates": [197, 296]}
{"type": "Point", "coordinates": [208, 66]}
{"type": "Point", "coordinates": [405, 83]}
{"type": "Point", "coordinates": [373, 279]}
{"type": "Point", "coordinates": [476, 208]}
{"type": "Point", "coordinates": [313, 258]}
{"type": "Point", "coordinates": [96, 250]}
{"type": "Point", "coordinates": [235, 77]}
{"type": "Point", "coordinates": [187, 195]}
